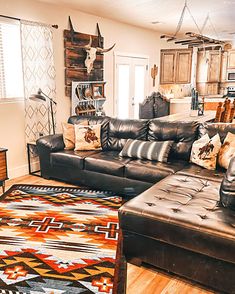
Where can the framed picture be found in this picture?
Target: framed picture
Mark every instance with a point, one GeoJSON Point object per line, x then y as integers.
{"type": "Point", "coordinates": [98, 91]}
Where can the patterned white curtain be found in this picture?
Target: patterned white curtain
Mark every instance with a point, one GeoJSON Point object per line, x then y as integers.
{"type": "Point", "coordinates": [39, 72]}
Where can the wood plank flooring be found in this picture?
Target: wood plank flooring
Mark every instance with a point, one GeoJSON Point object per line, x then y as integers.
{"type": "Point", "coordinates": [140, 280]}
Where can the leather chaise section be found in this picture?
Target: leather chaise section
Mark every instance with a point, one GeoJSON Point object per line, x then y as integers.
{"type": "Point", "coordinates": [152, 171]}
{"type": "Point", "coordinates": [120, 130]}
{"type": "Point", "coordinates": [108, 162]}
{"type": "Point", "coordinates": [70, 158]}
{"type": "Point", "coordinates": [185, 212]}
{"type": "Point", "coordinates": [194, 170]}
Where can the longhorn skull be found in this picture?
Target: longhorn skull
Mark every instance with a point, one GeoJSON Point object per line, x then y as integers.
{"type": "Point", "coordinates": [91, 54]}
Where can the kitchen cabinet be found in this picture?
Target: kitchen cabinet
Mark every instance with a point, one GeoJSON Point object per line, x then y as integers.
{"type": "Point", "coordinates": [167, 73]}
{"type": "Point", "coordinates": [231, 59]}
{"type": "Point", "coordinates": [176, 66]}
{"type": "Point", "coordinates": [208, 72]}
{"type": "Point", "coordinates": [208, 88]}
{"type": "Point", "coordinates": [208, 67]}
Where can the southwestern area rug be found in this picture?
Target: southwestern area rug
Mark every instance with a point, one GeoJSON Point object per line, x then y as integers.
{"type": "Point", "coordinates": [58, 240]}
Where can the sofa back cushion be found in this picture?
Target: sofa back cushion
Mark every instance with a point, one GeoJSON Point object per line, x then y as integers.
{"type": "Point", "coordinates": [94, 120]}
{"type": "Point", "coordinates": [120, 130]}
{"type": "Point", "coordinates": [213, 128]}
{"type": "Point", "coordinates": [182, 133]}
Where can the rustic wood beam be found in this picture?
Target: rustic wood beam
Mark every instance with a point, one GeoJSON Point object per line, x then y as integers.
{"type": "Point", "coordinates": [204, 38]}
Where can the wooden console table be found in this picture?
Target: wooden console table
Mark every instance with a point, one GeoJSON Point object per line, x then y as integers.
{"type": "Point", "coordinates": [3, 168]}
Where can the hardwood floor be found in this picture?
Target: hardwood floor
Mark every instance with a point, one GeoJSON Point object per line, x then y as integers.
{"type": "Point", "coordinates": [139, 279]}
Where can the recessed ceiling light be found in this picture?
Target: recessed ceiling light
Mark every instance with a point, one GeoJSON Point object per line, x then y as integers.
{"type": "Point", "coordinates": [156, 22]}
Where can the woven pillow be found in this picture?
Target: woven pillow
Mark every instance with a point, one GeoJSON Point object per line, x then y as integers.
{"type": "Point", "coordinates": [157, 150]}
{"type": "Point", "coordinates": [87, 137]}
{"type": "Point", "coordinates": [69, 134]}
{"type": "Point", "coordinates": [227, 150]}
{"type": "Point", "coordinates": [205, 150]}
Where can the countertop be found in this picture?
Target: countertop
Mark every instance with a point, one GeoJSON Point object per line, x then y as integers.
{"type": "Point", "coordinates": [209, 98]}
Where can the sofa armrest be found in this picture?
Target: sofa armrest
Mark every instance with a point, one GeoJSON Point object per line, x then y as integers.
{"type": "Point", "coordinates": [227, 188]}
{"type": "Point", "coordinates": [45, 146]}
{"type": "Point", "coordinates": [51, 143]}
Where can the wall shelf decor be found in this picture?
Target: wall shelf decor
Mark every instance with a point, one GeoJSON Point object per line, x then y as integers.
{"type": "Point", "coordinates": [75, 56]}
{"type": "Point", "coordinates": [88, 98]}
{"type": "Point", "coordinates": [83, 57]}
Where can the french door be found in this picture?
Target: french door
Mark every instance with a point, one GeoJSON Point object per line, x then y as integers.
{"type": "Point", "coordinates": [131, 77]}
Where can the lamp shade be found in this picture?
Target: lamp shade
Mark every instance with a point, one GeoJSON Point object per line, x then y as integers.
{"type": "Point", "coordinates": [38, 97]}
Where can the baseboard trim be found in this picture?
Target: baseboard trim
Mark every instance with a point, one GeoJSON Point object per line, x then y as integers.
{"type": "Point", "coordinates": [18, 171]}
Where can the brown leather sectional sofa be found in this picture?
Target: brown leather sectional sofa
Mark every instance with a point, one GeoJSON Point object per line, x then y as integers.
{"type": "Point", "coordinates": [177, 223]}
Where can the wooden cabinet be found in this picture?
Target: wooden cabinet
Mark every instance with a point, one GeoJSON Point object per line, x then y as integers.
{"type": "Point", "coordinates": [167, 74]}
{"type": "Point", "coordinates": [183, 67]}
{"type": "Point", "coordinates": [3, 167]}
{"type": "Point", "coordinates": [208, 72]}
{"type": "Point", "coordinates": [231, 59]}
{"type": "Point", "coordinates": [176, 66]}
{"type": "Point", "coordinates": [214, 67]}
{"type": "Point", "coordinates": [208, 67]}
{"type": "Point", "coordinates": [207, 88]}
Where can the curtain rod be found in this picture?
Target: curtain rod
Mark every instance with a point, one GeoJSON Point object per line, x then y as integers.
{"type": "Point", "coordinates": [15, 18]}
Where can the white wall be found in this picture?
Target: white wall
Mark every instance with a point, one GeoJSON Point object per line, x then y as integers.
{"type": "Point", "coordinates": [128, 39]}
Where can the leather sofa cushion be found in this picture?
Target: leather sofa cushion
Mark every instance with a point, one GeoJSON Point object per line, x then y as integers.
{"type": "Point", "coordinates": [152, 171]}
{"type": "Point", "coordinates": [182, 133]}
{"type": "Point", "coordinates": [108, 162]}
{"type": "Point", "coordinates": [201, 172]}
{"type": "Point", "coordinates": [70, 158]}
{"type": "Point", "coordinates": [213, 128]}
{"type": "Point", "coordinates": [183, 211]}
{"type": "Point", "coordinates": [120, 130]}
{"type": "Point", "coordinates": [94, 120]}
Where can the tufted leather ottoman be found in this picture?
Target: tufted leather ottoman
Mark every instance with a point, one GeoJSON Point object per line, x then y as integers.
{"type": "Point", "coordinates": [179, 226]}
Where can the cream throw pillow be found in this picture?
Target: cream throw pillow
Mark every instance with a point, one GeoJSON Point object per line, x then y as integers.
{"type": "Point", "coordinates": [87, 137]}
{"type": "Point", "coordinates": [227, 150]}
{"type": "Point", "coordinates": [205, 150]}
{"type": "Point", "coordinates": [69, 134]}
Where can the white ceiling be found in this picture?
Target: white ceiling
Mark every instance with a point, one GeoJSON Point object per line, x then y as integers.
{"type": "Point", "coordinates": [143, 12]}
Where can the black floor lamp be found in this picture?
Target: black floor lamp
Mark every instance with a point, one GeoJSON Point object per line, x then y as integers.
{"type": "Point", "coordinates": [41, 96]}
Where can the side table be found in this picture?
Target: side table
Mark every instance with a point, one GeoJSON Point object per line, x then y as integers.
{"type": "Point", "coordinates": [3, 168]}
{"type": "Point", "coordinates": [33, 159]}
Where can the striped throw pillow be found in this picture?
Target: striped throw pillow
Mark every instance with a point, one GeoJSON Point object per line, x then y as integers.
{"type": "Point", "coordinates": [157, 150]}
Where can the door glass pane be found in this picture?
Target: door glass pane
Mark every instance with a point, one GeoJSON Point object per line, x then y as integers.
{"type": "Point", "coordinates": [139, 88]}
{"type": "Point", "coordinates": [123, 90]}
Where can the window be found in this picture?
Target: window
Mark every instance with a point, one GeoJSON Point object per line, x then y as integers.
{"type": "Point", "coordinates": [11, 74]}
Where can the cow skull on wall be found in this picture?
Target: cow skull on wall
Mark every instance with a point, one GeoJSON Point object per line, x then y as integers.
{"type": "Point", "coordinates": [91, 54]}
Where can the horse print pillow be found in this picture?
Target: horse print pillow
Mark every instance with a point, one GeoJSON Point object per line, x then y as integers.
{"type": "Point", "coordinates": [227, 150]}
{"type": "Point", "coordinates": [205, 150]}
{"type": "Point", "coordinates": [87, 137]}
{"type": "Point", "coordinates": [69, 134]}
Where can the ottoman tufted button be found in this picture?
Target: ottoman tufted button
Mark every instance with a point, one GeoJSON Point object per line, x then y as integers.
{"type": "Point", "coordinates": [150, 204]}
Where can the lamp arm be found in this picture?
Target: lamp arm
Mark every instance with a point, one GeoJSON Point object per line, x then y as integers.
{"type": "Point", "coordinates": [41, 92]}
